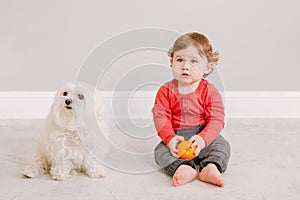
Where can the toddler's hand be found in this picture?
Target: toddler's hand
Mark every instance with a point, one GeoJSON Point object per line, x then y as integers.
{"type": "Point", "coordinates": [197, 141]}
{"type": "Point", "coordinates": [173, 145]}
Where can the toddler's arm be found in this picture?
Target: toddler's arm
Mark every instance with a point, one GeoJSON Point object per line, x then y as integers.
{"type": "Point", "coordinates": [214, 114]}
{"type": "Point", "coordinates": [162, 116]}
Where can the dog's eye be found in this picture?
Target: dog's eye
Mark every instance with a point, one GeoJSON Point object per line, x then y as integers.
{"type": "Point", "coordinates": [65, 93]}
{"type": "Point", "coordinates": [80, 96]}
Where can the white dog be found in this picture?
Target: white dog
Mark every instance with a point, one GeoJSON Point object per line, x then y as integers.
{"type": "Point", "coordinates": [68, 135]}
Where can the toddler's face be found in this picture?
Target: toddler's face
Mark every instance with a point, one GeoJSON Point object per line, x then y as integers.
{"type": "Point", "coordinates": [188, 66]}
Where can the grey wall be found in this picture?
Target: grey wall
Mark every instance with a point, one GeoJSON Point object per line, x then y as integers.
{"type": "Point", "coordinates": [43, 43]}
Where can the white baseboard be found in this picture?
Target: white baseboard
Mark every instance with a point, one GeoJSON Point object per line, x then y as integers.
{"type": "Point", "coordinates": [262, 104]}
{"type": "Point", "coordinates": [14, 105]}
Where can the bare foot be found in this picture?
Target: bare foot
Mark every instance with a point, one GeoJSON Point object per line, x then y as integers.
{"type": "Point", "coordinates": [210, 174]}
{"type": "Point", "coordinates": [183, 175]}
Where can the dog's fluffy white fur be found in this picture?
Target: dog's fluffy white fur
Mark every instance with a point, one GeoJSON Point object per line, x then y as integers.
{"type": "Point", "coordinates": [61, 150]}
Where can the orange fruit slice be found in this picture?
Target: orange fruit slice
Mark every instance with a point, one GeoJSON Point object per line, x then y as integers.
{"type": "Point", "coordinates": [185, 151]}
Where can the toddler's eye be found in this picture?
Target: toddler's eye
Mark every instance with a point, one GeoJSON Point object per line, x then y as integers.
{"type": "Point", "coordinates": [179, 59]}
{"type": "Point", "coordinates": [65, 93]}
{"type": "Point", "coordinates": [194, 61]}
{"type": "Point", "coordinates": [80, 96]}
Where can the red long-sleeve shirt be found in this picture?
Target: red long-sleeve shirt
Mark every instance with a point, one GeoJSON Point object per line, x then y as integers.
{"type": "Point", "coordinates": [175, 111]}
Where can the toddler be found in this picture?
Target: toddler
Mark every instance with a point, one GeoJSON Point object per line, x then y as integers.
{"type": "Point", "coordinates": [190, 108]}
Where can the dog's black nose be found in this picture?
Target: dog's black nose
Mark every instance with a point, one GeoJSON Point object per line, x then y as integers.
{"type": "Point", "coordinates": [68, 101]}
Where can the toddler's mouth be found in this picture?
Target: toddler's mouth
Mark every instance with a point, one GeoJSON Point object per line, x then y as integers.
{"type": "Point", "coordinates": [185, 75]}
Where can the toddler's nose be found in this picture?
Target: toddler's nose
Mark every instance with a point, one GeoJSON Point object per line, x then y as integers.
{"type": "Point", "coordinates": [68, 101]}
{"type": "Point", "coordinates": [186, 65]}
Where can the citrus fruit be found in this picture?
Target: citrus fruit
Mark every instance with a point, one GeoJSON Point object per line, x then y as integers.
{"type": "Point", "coordinates": [185, 151]}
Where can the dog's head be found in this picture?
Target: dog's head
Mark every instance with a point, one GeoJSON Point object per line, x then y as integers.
{"type": "Point", "coordinates": [74, 105]}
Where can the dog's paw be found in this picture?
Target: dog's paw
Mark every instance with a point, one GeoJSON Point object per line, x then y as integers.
{"type": "Point", "coordinates": [60, 177]}
{"type": "Point", "coordinates": [73, 172]}
{"type": "Point", "coordinates": [95, 173]}
{"type": "Point", "coordinates": [26, 173]}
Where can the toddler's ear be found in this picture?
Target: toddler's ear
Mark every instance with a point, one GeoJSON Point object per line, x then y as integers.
{"type": "Point", "coordinates": [210, 66]}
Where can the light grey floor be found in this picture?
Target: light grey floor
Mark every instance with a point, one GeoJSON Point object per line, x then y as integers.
{"type": "Point", "coordinates": [265, 164]}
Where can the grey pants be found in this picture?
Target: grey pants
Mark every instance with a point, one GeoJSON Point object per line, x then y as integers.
{"type": "Point", "coordinates": [218, 153]}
